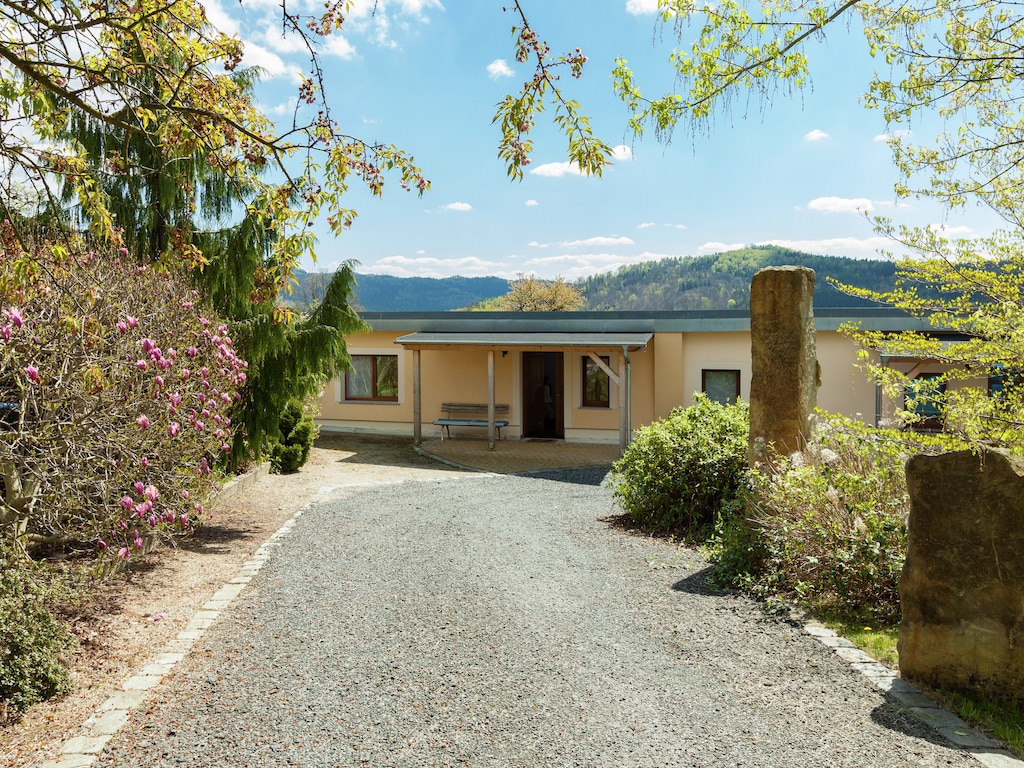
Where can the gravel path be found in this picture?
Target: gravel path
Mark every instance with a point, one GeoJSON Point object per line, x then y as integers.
{"type": "Point", "coordinates": [496, 621]}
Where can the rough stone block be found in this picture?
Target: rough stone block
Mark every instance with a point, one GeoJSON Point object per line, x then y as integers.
{"type": "Point", "coordinates": [962, 586]}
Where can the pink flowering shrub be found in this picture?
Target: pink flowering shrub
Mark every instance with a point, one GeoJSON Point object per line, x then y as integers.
{"type": "Point", "coordinates": [116, 391]}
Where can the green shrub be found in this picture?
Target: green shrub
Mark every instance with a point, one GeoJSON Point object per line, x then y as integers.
{"type": "Point", "coordinates": [827, 525]}
{"type": "Point", "coordinates": [298, 431]}
{"type": "Point", "coordinates": [681, 473]}
{"type": "Point", "coordinates": [33, 644]}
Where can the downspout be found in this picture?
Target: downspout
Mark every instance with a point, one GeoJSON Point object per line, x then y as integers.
{"type": "Point", "coordinates": [629, 396]}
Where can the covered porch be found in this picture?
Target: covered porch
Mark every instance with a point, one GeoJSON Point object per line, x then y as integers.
{"type": "Point", "coordinates": [609, 352]}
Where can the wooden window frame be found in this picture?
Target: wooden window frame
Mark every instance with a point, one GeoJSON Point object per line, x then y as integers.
{"type": "Point", "coordinates": [587, 365]}
{"type": "Point", "coordinates": [374, 396]}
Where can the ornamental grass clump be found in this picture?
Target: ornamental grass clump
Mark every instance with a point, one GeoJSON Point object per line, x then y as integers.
{"type": "Point", "coordinates": [828, 525]}
{"type": "Point", "coordinates": [681, 473]}
{"type": "Point", "coordinates": [117, 387]}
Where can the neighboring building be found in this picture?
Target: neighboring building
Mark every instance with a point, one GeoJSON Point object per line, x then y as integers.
{"type": "Point", "coordinates": [575, 376]}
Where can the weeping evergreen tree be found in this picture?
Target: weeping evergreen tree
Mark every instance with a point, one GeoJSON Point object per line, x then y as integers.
{"type": "Point", "coordinates": [179, 206]}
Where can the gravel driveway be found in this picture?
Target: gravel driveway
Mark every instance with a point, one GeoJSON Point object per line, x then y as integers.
{"type": "Point", "coordinates": [497, 621]}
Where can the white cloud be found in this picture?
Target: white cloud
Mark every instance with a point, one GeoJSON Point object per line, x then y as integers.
{"type": "Point", "coordinates": [556, 170]}
{"type": "Point", "coordinates": [840, 204]}
{"type": "Point", "coordinates": [499, 68]}
{"type": "Point", "coordinates": [716, 247]}
{"type": "Point", "coordinates": [338, 45]}
{"type": "Point", "coordinates": [646, 225]}
{"type": "Point", "coordinates": [622, 153]}
{"type": "Point", "coordinates": [640, 7]}
{"type": "Point", "coordinates": [680, 226]}
{"type": "Point", "coordinates": [531, 203]}
{"type": "Point", "coordinates": [403, 266]}
{"type": "Point", "coordinates": [947, 231]}
{"type": "Point", "coordinates": [815, 135]}
{"type": "Point", "coordinates": [573, 266]}
{"type": "Point", "coordinates": [852, 247]}
{"type": "Point", "coordinates": [273, 66]}
{"type": "Point", "coordinates": [457, 206]}
{"type": "Point", "coordinates": [884, 137]}
{"type": "Point", "coordinates": [535, 244]}
{"type": "Point", "coordinates": [604, 241]}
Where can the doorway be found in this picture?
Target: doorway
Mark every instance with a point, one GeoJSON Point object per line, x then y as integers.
{"type": "Point", "coordinates": [543, 395]}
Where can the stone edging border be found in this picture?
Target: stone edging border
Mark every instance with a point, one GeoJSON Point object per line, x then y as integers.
{"type": "Point", "coordinates": [983, 749]}
{"type": "Point", "coordinates": [83, 750]}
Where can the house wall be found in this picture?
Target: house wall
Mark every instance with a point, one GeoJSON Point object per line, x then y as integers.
{"type": "Point", "coordinates": [664, 376]}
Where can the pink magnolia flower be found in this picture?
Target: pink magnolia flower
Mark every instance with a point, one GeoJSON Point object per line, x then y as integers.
{"type": "Point", "coordinates": [144, 461]}
{"type": "Point", "coordinates": [159, 381]}
{"type": "Point", "coordinates": [123, 251]}
{"type": "Point", "coordinates": [124, 553]}
{"type": "Point", "coordinates": [101, 544]}
{"type": "Point", "coordinates": [148, 345]}
{"type": "Point", "coordinates": [143, 421]}
{"type": "Point", "coordinates": [16, 317]}
{"type": "Point", "coordinates": [122, 326]}
{"type": "Point", "coordinates": [131, 321]}
{"type": "Point", "coordinates": [184, 493]}
{"type": "Point", "coordinates": [184, 521]}
{"type": "Point", "coordinates": [175, 398]}
{"type": "Point", "coordinates": [5, 332]}
{"type": "Point", "coordinates": [185, 373]}
{"type": "Point", "coordinates": [174, 428]}
{"type": "Point", "coordinates": [226, 447]}
{"type": "Point", "coordinates": [138, 486]}
{"type": "Point", "coordinates": [126, 503]}
{"type": "Point", "coordinates": [151, 492]}
{"type": "Point", "coordinates": [32, 373]}
{"type": "Point", "coordinates": [140, 364]}
{"type": "Point", "coordinates": [200, 426]}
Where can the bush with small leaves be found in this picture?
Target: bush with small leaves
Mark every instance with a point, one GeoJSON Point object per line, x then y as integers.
{"type": "Point", "coordinates": [33, 644]}
{"type": "Point", "coordinates": [681, 473]}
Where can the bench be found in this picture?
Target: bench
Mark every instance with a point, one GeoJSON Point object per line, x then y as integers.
{"type": "Point", "coordinates": [455, 415]}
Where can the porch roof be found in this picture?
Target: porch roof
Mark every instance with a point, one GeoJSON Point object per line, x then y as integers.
{"type": "Point", "coordinates": [620, 340]}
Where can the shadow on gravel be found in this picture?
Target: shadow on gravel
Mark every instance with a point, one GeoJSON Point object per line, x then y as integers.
{"type": "Point", "coordinates": [576, 475]}
{"type": "Point", "coordinates": [213, 538]}
{"type": "Point", "coordinates": [895, 716]}
{"type": "Point", "coordinates": [377, 451]}
{"type": "Point", "coordinates": [700, 583]}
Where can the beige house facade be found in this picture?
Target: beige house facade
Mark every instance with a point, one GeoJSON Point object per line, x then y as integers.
{"type": "Point", "coordinates": [589, 377]}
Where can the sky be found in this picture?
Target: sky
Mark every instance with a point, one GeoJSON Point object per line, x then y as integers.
{"type": "Point", "coordinates": [426, 75]}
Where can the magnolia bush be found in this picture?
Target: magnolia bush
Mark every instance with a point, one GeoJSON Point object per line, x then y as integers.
{"type": "Point", "coordinates": [116, 390]}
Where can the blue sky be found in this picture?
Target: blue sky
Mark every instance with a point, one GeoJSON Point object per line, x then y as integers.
{"type": "Point", "coordinates": [426, 75]}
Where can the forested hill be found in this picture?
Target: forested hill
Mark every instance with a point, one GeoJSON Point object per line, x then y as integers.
{"type": "Point", "coordinates": [384, 293]}
{"type": "Point", "coordinates": [722, 281]}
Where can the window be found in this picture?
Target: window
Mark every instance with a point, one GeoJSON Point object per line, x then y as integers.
{"type": "Point", "coordinates": [1002, 379]}
{"type": "Point", "coordinates": [373, 377]}
{"type": "Point", "coordinates": [923, 398]}
{"type": "Point", "coordinates": [720, 385]}
{"type": "Point", "coordinates": [596, 386]}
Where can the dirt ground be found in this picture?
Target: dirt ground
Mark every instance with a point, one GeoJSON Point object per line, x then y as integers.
{"type": "Point", "coordinates": [132, 617]}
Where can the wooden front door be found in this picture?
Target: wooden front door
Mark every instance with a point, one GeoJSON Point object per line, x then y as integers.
{"type": "Point", "coordinates": [543, 395]}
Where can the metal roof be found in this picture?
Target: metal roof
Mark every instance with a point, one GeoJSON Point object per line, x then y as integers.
{"type": "Point", "coordinates": [526, 339]}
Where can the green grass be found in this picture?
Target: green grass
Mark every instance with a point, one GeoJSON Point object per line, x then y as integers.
{"type": "Point", "coordinates": [1000, 720]}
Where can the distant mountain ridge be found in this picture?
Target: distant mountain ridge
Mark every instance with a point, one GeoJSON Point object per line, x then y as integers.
{"type": "Point", "coordinates": [717, 281]}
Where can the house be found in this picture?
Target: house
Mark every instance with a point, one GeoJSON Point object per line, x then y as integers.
{"type": "Point", "coordinates": [574, 376]}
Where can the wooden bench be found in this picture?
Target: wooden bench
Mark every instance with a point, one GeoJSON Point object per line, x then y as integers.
{"type": "Point", "coordinates": [455, 416]}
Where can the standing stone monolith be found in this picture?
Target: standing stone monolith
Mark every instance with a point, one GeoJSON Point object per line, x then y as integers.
{"type": "Point", "coordinates": [784, 374]}
{"type": "Point", "coordinates": [962, 586]}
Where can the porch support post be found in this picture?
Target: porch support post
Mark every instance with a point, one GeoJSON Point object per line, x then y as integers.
{"type": "Point", "coordinates": [417, 400]}
{"type": "Point", "coordinates": [490, 399]}
{"type": "Point", "coordinates": [624, 398]}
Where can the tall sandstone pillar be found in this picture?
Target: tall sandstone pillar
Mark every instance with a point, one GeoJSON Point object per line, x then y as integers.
{"type": "Point", "coordinates": [785, 376]}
